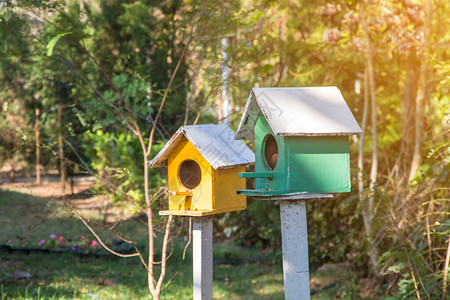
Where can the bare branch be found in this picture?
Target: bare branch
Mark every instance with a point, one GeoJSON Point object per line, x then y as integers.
{"type": "Point", "coordinates": [111, 105]}
{"type": "Point", "coordinates": [85, 222]}
{"type": "Point", "coordinates": [164, 253]}
{"type": "Point", "coordinates": [204, 104]}
{"type": "Point", "coordinates": [170, 280]}
{"type": "Point", "coordinates": [166, 92]}
{"type": "Point", "coordinates": [105, 183]}
{"type": "Point", "coordinates": [189, 240]}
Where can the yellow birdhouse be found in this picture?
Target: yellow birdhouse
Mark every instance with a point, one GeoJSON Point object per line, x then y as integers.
{"type": "Point", "coordinates": [203, 163]}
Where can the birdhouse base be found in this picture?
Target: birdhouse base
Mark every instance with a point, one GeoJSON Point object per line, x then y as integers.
{"type": "Point", "coordinates": [281, 195]}
{"type": "Point", "coordinates": [186, 213]}
{"type": "Point", "coordinates": [196, 213]}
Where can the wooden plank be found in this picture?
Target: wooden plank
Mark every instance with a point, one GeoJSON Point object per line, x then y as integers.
{"type": "Point", "coordinates": [277, 195]}
{"type": "Point", "coordinates": [202, 239]}
{"type": "Point", "coordinates": [294, 197]}
{"type": "Point", "coordinates": [200, 213]}
{"type": "Point", "coordinates": [319, 164]}
{"type": "Point", "coordinates": [295, 249]}
{"type": "Point", "coordinates": [186, 213]}
{"type": "Point", "coordinates": [226, 182]}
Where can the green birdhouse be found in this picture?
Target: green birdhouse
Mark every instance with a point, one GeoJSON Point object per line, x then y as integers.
{"type": "Point", "coordinates": [301, 140]}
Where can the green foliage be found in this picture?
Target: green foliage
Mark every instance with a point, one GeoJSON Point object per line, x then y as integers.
{"type": "Point", "coordinates": [118, 160]}
{"type": "Point", "coordinates": [422, 243]}
{"type": "Point", "coordinates": [258, 225]}
{"type": "Point", "coordinates": [51, 44]}
{"type": "Point", "coordinates": [134, 91]}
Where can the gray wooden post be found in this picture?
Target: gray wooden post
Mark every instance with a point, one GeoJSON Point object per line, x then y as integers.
{"type": "Point", "coordinates": [295, 249]}
{"type": "Point", "coordinates": [202, 237]}
{"type": "Point", "coordinates": [294, 237]}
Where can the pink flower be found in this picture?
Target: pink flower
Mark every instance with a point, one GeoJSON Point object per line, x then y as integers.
{"type": "Point", "coordinates": [53, 236]}
{"type": "Point", "coordinates": [94, 243]}
{"type": "Point", "coordinates": [9, 241]}
{"type": "Point", "coordinates": [41, 243]}
{"type": "Point", "coordinates": [265, 251]}
{"type": "Point", "coordinates": [82, 238]}
{"type": "Point", "coordinates": [60, 238]}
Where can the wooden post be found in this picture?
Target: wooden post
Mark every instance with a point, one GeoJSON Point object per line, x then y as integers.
{"type": "Point", "coordinates": [202, 258]}
{"type": "Point", "coordinates": [61, 149]}
{"type": "Point", "coordinates": [38, 148]}
{"type": "Point", "coordinates": [295, 249]}
{"type": "Point", "coordinates": [294, 237]}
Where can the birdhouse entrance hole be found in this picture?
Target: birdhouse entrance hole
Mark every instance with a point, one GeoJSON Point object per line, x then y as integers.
{"type": "Point", "coordinates": [270, 151]}
{"type": "Point", "coordinates": [190, 174]}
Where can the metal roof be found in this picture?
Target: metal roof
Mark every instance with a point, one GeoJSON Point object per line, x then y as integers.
{"type": "Point", "coordinates": [298, 111]}
{"type": "Point", "coordinates": [216, 143]}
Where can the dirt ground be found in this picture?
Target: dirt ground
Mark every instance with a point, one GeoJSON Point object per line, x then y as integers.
{"type": "Point", "coordinates": [78, 195]}
{"type": "Point", "coordinates": [48, 189]}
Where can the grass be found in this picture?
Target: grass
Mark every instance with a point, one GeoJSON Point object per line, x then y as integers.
{"type": "Point", "coordinates": [66, 276]}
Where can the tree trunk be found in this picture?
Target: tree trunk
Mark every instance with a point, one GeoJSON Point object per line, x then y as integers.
{"type": "Point", "coordinates": [283, 64]}
{"type": "Point", "coordinates": [373, 107]}
{"type": "Point", "coordinates": [421, 94]}
{"type": "Point", "coordinates": [417, 154]}
{"type": "Point", "coordinates": [409, 108]}
{"type": "Point", "coordinates": [227, 106]}
{"type": "Point", "coordinates": [38, 148]}
{"type": "Point", "coordinates": [409, 99]}
{"type": "Point", "coordinates": [367, 217]}
{"type": "Point", "coordinates": [61, 149]}
{"type": "Point", "coordinates": [373, 254]}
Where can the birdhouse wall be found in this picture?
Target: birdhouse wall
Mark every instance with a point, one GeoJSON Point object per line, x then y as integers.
{"type": "Point", "coordinates": [279, 180]}
{"type": "Point", "coordinates": [226, 183]}
{"type": "Point", "coordinates": [202, 194]}
{"type": "Point", "coordinates": [318, 164]}
{"type": "Point", "coordinates": [313, 164]}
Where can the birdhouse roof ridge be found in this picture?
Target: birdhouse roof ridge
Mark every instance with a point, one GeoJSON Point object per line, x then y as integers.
{"type": "Point", "coordinates": [215, 142]}
{"type": "Point", "coordinates": [298, 111]}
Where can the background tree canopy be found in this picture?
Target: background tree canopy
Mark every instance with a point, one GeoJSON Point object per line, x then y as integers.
{"type": "Point", "coordinates": [81, 62]}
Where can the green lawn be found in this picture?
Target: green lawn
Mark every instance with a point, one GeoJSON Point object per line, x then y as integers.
{"type": "Point", "coordinates": [68, 276]}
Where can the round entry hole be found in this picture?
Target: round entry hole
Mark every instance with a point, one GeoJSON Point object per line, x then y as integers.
{"type": "Point", "coordinates": [190, 174]}
{"type": "Point", "coordinates": [271, 151]}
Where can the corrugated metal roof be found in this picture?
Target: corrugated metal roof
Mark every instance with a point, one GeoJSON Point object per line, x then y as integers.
{"type": "Point", "coordinates": [216, 143]}
{"type": "Point", "coordinates": [299, 111]}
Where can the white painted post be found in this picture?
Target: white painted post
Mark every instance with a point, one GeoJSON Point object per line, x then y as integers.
{"type": "Point", "coordinates": [202, 237]}
{"type": "Point", "coordinates": [295, 249]}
